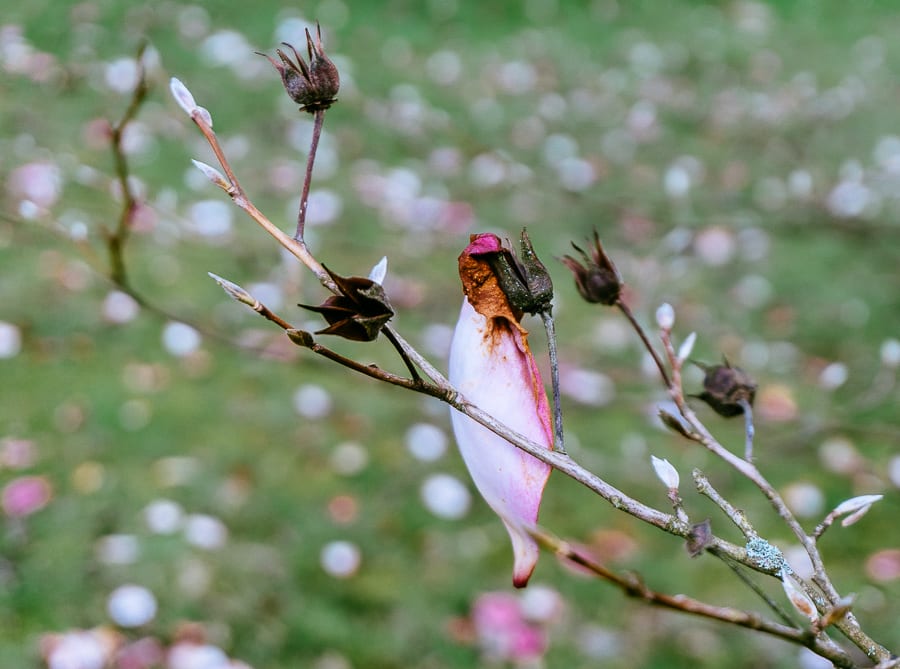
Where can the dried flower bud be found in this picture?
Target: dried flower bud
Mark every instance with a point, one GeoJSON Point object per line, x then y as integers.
{"type": "Point", "coordinates": [727, 389]}
{"type": "Point", "coordinates": [597, 280]}
{"type": "Point", "coordinates": [525, 281]}
{"type": "Point", "coordinates": [701, 537]}
{"type": "Point", "coordinates": [360, 310]}
{"type": "Point", "coordinates": [314, 86]}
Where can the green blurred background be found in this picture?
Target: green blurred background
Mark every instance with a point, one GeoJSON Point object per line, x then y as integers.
{"type": "Point", "coordinates": [741, 161]}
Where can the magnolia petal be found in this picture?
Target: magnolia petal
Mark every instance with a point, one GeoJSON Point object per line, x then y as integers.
{"type": "Point", "coordinates": [492, 366]}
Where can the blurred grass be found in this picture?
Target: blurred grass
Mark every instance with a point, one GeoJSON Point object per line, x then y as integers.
{"type": "Point", "coordinates": [266, 471]}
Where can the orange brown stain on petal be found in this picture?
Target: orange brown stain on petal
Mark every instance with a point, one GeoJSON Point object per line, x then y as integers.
{"type": "Point", "coordinates": [483, 291]}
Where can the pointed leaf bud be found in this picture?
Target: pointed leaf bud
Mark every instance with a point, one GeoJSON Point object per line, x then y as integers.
{"type": "Point", "coordinates": [665, 472]}
{"type": "Point", "coordinates": [855, 508]}
{"type": "Point", "coordinates": [597, 279]}
{"type": "Point", "coordinates": [800, 600]}
{"type": "Point", "coordinates": [726, 389]}
{"type": "Point", "coordinates": [182, 96]}
{"type": "Point", "coordinates": [379, 271]}
{"type": "Point", "coordinates": [491, 365]}
{"type": "Point", "coordinates": [674, 423]}
{"type": "Point", "coordinates": [212, 174]}
{"type": "Point", "coordinates": [665, 316]}
{"type": "Point", "coordinates": [684, 351]}
{"type": "Point", "coordinates": [855, 504]}
{"type": "Point", "coordinates": [234, 291]}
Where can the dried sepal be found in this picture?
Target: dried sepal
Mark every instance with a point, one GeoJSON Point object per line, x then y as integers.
{"type": "Point", "coordinates": [360, 310]}
{"type": "Point", "coordinates": [523, 278]}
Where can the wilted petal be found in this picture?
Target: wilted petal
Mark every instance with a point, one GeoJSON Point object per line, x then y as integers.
{"type": "Point", "coordinates": [492, 366]}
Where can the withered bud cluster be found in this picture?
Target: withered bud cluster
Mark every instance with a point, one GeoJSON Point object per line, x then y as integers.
{"type": "Point", "coordinates": [597, 278]}
{"type": "Point", "coordinates": [314, 86]}
{"type": "Point", "coordinates": [524, 280]}
{"type": "Point", "coordinates": [359, 312]}
{"type": "Point", "coordinates": [727, 389]}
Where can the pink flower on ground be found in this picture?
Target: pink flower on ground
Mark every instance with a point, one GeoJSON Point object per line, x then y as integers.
{"type": "Point", "coordinates": [493, 368]}
{"type": "Point", "coordinates": [503, 633]}
{"type": "Point", "coordinates": [25, 495]}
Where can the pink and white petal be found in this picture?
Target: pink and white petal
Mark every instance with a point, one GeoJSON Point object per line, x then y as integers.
{"type": "Point", "coordinates": [491, 365]}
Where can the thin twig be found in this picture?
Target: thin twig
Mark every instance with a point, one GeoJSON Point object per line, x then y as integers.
{"type": "Point", "coordinates": [318, 120]}
{"type": "Point", "coordinates": [118, 237]}
{"type": "Point", "coordinates": [625, 309]}
{"type": "Point", "coordinates": [392, 337]}
{"type": "Point", "coordinates": [633, 586]}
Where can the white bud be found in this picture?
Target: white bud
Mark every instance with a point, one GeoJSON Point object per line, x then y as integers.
{"type": "Point", "coordinates": [182, 96]}
{"type": "Point", "coordinates": [684, 351]}
{"type": "Point", "coordinates": [379, 271]}
{"type": "Point", "coordinates": [204, 115]}
{"type": "Point", "coordinates": [855, 504]}
{"type": "Point", "coordinates": [212, 174]}
{"type": "Point", "coordinates": [665, 316]}
{"type": "Point", "coordinates": [666, 472]}
{"type": "Point", "coordinates": [234, 291]}
{"type": "Point", "coordinates": [798, 598]}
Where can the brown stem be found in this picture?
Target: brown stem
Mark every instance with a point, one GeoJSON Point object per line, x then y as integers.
{"type": "Point", "coordinates": [391, 337]}
{"type": "Point", "coordinates": [319, 119]}
{"type": "Point", "coordinates": [624, 308]}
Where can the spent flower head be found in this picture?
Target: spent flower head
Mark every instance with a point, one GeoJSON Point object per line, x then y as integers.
{"type": "Point", "coordinates": [313, 86]}
{"type": "Point", "coordinates": [727, 389]}
{"type": "Point", "coordinates": [524, 280]}
{"type": "Point", "coordinates": [596, 277]}
{"type": "Point", "coordinates": [360, 310]}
